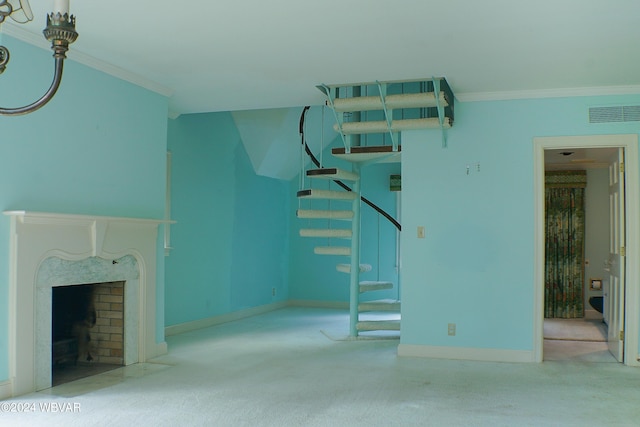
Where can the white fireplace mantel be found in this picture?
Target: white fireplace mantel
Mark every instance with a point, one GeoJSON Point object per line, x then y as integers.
{"type": "Point", "coordinates": [36, 237]}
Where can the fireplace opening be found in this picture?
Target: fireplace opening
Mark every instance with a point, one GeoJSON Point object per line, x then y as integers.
{"type": "Point", "coordinates": [87, 330]}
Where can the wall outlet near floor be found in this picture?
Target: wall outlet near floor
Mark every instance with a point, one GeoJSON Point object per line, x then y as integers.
{"type": "Point", "coordinates": [273, 292]}
{"type": "Point", "coordinates": [420, 232]}
{"type": "Point", "coordinates": [451, 329]}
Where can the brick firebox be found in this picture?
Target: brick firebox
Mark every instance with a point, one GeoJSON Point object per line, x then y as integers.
{"type": "Point", "coordinates": [107, 335]}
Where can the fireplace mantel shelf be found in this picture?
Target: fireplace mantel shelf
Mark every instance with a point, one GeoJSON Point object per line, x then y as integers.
{"type": "Point", "coordinates": [52, 218]}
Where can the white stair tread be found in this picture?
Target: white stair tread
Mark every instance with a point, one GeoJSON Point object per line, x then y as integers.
{"type": "Point", "coordinates": [332, 173]}
{"type": "Point", "coordinates": [367, 286]}
{"type": "Point", "coordinates": [342, 233]}
{"type": "Point", "coordinates": [346, 268]}
{"type": "Point", "coordinates": [378, 325]}
{"type": "Point", "coordinates": [392, 102]}
{"type": "Point", "coordinates": [327, 194]}
{"type": "Point", "coordinates": [324, 214]}
{"type": "Point", "coordinates": [379, 154]}
{"type": "Point", "coordinates": [370, 157]}
{"type": "Point", "coordinates": [380, 305]}
{"type": "Point", "coordinates": [332, 250]}
{"type": "Point", "coordinates": [350, 128]}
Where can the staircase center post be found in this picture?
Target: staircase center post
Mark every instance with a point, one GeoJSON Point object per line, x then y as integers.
{"type": "Point", "coordinates": [354, 284]}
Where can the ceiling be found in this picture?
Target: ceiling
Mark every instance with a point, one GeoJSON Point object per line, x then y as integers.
{"type": "Point", "coordinates": [253, 54]}
{"type": "Point", "coordinates": [579, 158]}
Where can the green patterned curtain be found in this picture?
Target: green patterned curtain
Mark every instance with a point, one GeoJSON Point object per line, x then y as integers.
{"type": "Point", "coordinates": [564, 241]}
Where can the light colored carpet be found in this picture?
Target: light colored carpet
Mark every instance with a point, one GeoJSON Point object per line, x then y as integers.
{"type": "Point", "coordinates": [278, 369]}
{"type": "Point", "coordinates": [577, 351]}
{"type": "Point", "coordinates": [575, 330]}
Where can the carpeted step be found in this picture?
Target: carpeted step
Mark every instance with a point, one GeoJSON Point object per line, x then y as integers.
{"type": "Point", "coordinates": [346, 268]}
{"type": "Point", "coordinates": [333, 173]}
{"type": "Point", "coordinates": [380, 305]}
{"type": "Point", "coordinates": [340, 233]}
{"type": "Point", "coordinates": [332, 250]}
{"type": "Point", "coordinates": [378, 325]}
{"type": "Point", "coordinates": [313, 193]}
{"type": "Point", "coordinates": [324, 214]}
{"type": "Point", "coordinates": [367, 286]}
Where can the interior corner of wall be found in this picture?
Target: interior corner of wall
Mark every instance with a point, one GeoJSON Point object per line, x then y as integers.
{"type": "Point", "coordinates": [5, 389]}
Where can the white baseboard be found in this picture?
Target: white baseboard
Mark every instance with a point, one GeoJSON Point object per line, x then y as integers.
{"type": "Point", "coordinates": [459, 353]}
{"type": "Point", "coordinates": [223, 318]}
{"type": "Point", "coordinates": [5, 390]}
{"type": "Point", "coordinates": [254, 311]}
{"type": "Point", "coordinates": [318, 304]}
{"type": "Point", "coordinates": [159, 349]}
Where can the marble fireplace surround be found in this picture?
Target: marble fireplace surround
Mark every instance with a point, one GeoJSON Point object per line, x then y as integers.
{"type": "Point", "coordinates": [49, 250]}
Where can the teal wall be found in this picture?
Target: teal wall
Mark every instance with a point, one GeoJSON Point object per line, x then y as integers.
{"type": "Point", "coordinates": [231, 237]}
{"type": "Point", "coordinates": [475, 266]}
{"type": "Point", "coordinates": [378, 235]}
{"type": "Point", "coordinates": [97, 148]}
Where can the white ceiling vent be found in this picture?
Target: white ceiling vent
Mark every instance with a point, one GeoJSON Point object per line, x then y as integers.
{"type": "Point", "coordinates": [624, 113]}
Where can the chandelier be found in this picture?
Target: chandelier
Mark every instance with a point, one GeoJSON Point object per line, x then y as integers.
{"type": "Point", "coordinates": [60, 31]}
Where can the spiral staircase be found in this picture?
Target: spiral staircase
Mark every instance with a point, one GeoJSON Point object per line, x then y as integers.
{"type": "Point", "coordinates": [392, 108]}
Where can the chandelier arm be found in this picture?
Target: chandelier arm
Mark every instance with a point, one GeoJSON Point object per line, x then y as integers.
{"type": "Point", "coordinates": [57, 78]}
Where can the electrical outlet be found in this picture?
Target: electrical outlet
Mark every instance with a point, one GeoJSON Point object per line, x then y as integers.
{"type": "Point", "coordinates": [451, 329]}
{"type": "Point", "coordinates": [420, 232]}
{"type": "Point", "coordinates": [273, 292]}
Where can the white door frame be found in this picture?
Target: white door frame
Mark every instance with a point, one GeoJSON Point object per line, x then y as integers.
{"type": "Point", "coordinates": [632, 291]}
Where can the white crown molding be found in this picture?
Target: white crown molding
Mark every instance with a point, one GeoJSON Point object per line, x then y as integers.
{"type": "Point", "coordinates": [174, 114]}
{"type": "Point", "coordinates": [38, 40]}
{"type": "Point", "coordinates": [548, 93]}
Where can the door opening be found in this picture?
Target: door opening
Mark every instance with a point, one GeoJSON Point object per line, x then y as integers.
{"type": "Point", "coordinates": [596, 152]}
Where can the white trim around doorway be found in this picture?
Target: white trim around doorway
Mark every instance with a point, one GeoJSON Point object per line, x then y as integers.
{"type": "Point", "coordinates": [632, 291]}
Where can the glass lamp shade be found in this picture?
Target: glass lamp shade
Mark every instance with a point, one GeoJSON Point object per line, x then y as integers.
{"type": "Point", "coordinates": [21, 11]}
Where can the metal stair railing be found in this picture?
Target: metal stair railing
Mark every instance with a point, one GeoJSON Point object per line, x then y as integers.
{"type": "Point", "coordinates": [341, 184]}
